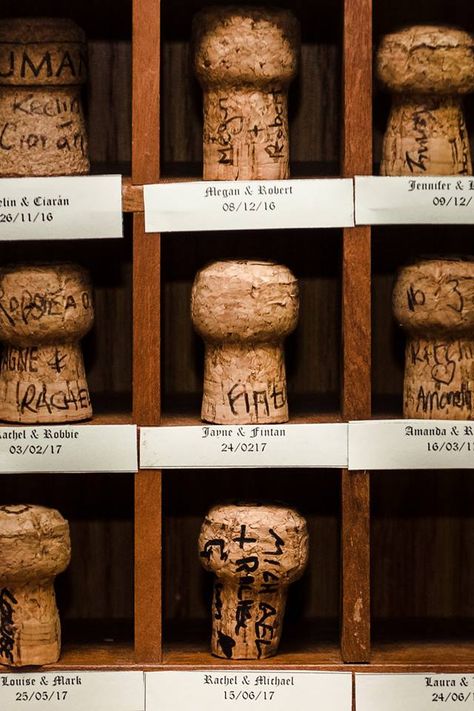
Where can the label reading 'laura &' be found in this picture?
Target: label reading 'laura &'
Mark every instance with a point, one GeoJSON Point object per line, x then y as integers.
{"type": "Point", "coordinates": [79, 207]}
{"type": "Point", "coordinates": [248, 204]}
{"type": "Point", "coordinates": [414, 692]}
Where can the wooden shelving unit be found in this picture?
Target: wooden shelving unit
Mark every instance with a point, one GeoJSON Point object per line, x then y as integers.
{"type": "Point", "coordinates": [390, 582]}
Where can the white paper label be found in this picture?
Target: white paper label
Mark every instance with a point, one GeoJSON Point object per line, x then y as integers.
{"type": "Point", "coordinates": [223, 446]}
{"type": "Point", "coordinates": [414, 692]}
{"type": "Point", "coordinates": [411, 444]}
{"type": "Point", "coordinates": [240, 690]}
{"type": "Point", "coordinates": [248, 204]}
{"type": "Point", "coordinates": [68, 448]}
{"type": "Point", "coordinates": [79, 207]}
{"type": "Point", "coordinates": [73, 691]}
{"type": "Point", "coordinates": [414, 200]}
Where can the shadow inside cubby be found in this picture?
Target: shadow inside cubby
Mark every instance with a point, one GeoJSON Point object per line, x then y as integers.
{"type": "Point", "coordinates": [107, 348]}
{"type": "Point", "coordinates": [107, 94]}
{"type": "Point", "coordinates": [312, 352]}
{"type": "Point", "coordinates": [95, 593]}
{"type": "Point", "coordinates": [310, 629]}
{"type": "Point", "coordinates": [390, 17]}
{"type": "Point", "coordinates": [392, 249]}
{"type": "Point", "coordinates": [314, 102]}
{"type": "Point", "coordinates": [422, 562]}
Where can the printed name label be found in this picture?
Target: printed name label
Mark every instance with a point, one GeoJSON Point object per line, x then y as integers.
{"type": "Point", "coordinates": [73, 691]}
{"type": "Point", "coordinates": [222, 446]}
{"type": "Point", "coordinates": [248, 204]}
{"type": "Point", "coordinates": [79, 207]}
{"type": "Point", "coordinates": [411, 444]}
{"type": "Point", "coordinates": [414, 200]}
{"type": "Point", "coordinates": [276, 690]}
{"type": "Point", "coordinates": [68, 448]}
{"type": "Point", "coordinates": [414, 692]}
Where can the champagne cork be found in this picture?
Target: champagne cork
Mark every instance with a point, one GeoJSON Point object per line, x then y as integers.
{"type": "Point", "coordinates": [255, 552]}
{"type": "Point", "coordinates": [43, 63]}
{"type": "Point", "coordinates": [428, 69]}
{"type": "Point", "coordinates": [44, 311]}
{"type": "Point", "coordinates": [434, 301]}
{"type": "Point", "coordinates": [243, 310]}
{"type": "Point", "coordinates": [245, 59]}
{"type": "Point", "coordinates": [34, 548]}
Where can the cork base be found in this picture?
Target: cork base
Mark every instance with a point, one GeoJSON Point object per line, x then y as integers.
{"type": "Point", "coordinates": [30, 631]}
{"type": "Point", "coordinates": [439, 379]}
{"type": "Point", "coordinates": [246, 624]}
{"type": "Point", "coordinates": [42, 132]}
{"type": "Point", "coordinates": [244, 384]}
{"type": "Point", "coordinates": [43, 384]}
{"type": "Point", "coordinates": [245, 135]}
{"type": "Point", "coordinates": [426, 135]}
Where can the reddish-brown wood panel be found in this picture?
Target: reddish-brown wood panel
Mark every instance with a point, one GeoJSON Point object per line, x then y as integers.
{"type": "Point", "coordinates": [356, 324]}
{"type": "Point", "coordinates": [146, 91]}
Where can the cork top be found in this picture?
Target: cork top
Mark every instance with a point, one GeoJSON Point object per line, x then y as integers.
{"type": "Point", "coordinates": [231, 532]}
{"type": "Point", "coordinates": [44, 303]}
{"type": "Point", "coordinates": [436, 296]}
{"type": "Point", "coordinates": [245, 45]}
{"type": "Point", "coordinates": [244, 301]}
{"type": "Point", "coordinates": [34, 542]}
{"type": "Point", "coordinates": [42, 51]}
{"type": "Point", "coordinates": [426, 59]}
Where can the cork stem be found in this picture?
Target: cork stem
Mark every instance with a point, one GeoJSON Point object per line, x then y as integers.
{"type": "Point", "coordinates": [30, 631]}
{"type": "Point", "coordinates": [439, 378]}
{"type": "Point", "coordinates": [44, 384]}
{"type": "Point", "coordinates": [247, 621]}
{"type": "Point", "coordinates": [244, 383]}
{"type": "Point", "coordinates": [426, 135]}
{"type": "Point", "coordinates": [246, 133]}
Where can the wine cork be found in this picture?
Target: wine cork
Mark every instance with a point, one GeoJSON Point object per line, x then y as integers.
{"type": "Point", "coordinates": [34, 548]}
{"type": "Point", "coordinates": [43, 63]}
{"type": "Point", "coordinates": [434, 301]}
{"type": "Point", "coordinates": [245, 59]}
{"type": "Point", "coordinates": [255, 552]}
{"type": "Point", "coordinates": [243, 310]}
{"type": "Point", "coordinates": [44, 311]}
{"type": "Point", "coordinates": [428, 69]}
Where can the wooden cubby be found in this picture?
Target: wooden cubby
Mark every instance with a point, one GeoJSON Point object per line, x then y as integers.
{"type": "Point", "coordinates": [135, 597]}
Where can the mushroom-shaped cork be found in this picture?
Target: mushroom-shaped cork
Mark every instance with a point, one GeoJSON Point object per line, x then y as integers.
{"type": "Point", "coordinates": [255, 552]}
{"type": "Point", "coordinates": [243, 310]}
{"type": "Point", "coordinates": [34, 548]}
{"type": "Point", "coordinates": [428, 69]}
{"type": "Point", "coordinates": [433, 300]}
{"type": "Point", "coordinates": [43, 62]}
{"type": "Point", "coordinates": [44, 311]}
{"type": "Point", "coordinates": [245, 59]}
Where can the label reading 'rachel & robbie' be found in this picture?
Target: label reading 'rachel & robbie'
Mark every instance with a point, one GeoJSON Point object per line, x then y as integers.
{"type": "Point", "coordinates": [275, 690]}
{"type": "Point", "coordinates": [414, 692]}
{"type": "Point", "coordinates": [254, 204]}
{"type": "Point", "coordinates": [68, 448]}
{"type": "Point", "coordinates": [411, 444]}
{"type": "Point", "coordinates": [222, 446]}
{"type": "Point", "coordinates": [73, 691]}
{"type": "Point", "coordinates": [381, 200]}
{"type": "Point", "coordinates": [73, 207]}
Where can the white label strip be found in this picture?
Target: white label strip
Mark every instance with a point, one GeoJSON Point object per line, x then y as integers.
{"type": "Point", "coordinates": [257, 205]}
{"type": "Point", "coordinates": [414, 692]}
{"type": "Point", "coordinates": [240, 690]}
{"type": "Point", "coordinates": [414, 200]}
{"type": "Point", "coordinates": [79, 207]}
{"type": "Point", "coordinates": [73, 691]}
{"type": "Point", "coordinates": [411, 444]}
{"type": "Point", "coordinates": [68, 448]}
{"type": "Point", "coordinates": [222, 446]}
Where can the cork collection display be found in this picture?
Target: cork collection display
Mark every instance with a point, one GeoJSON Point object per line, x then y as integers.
{"type": "Point", "coordinates": [305, 568]}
